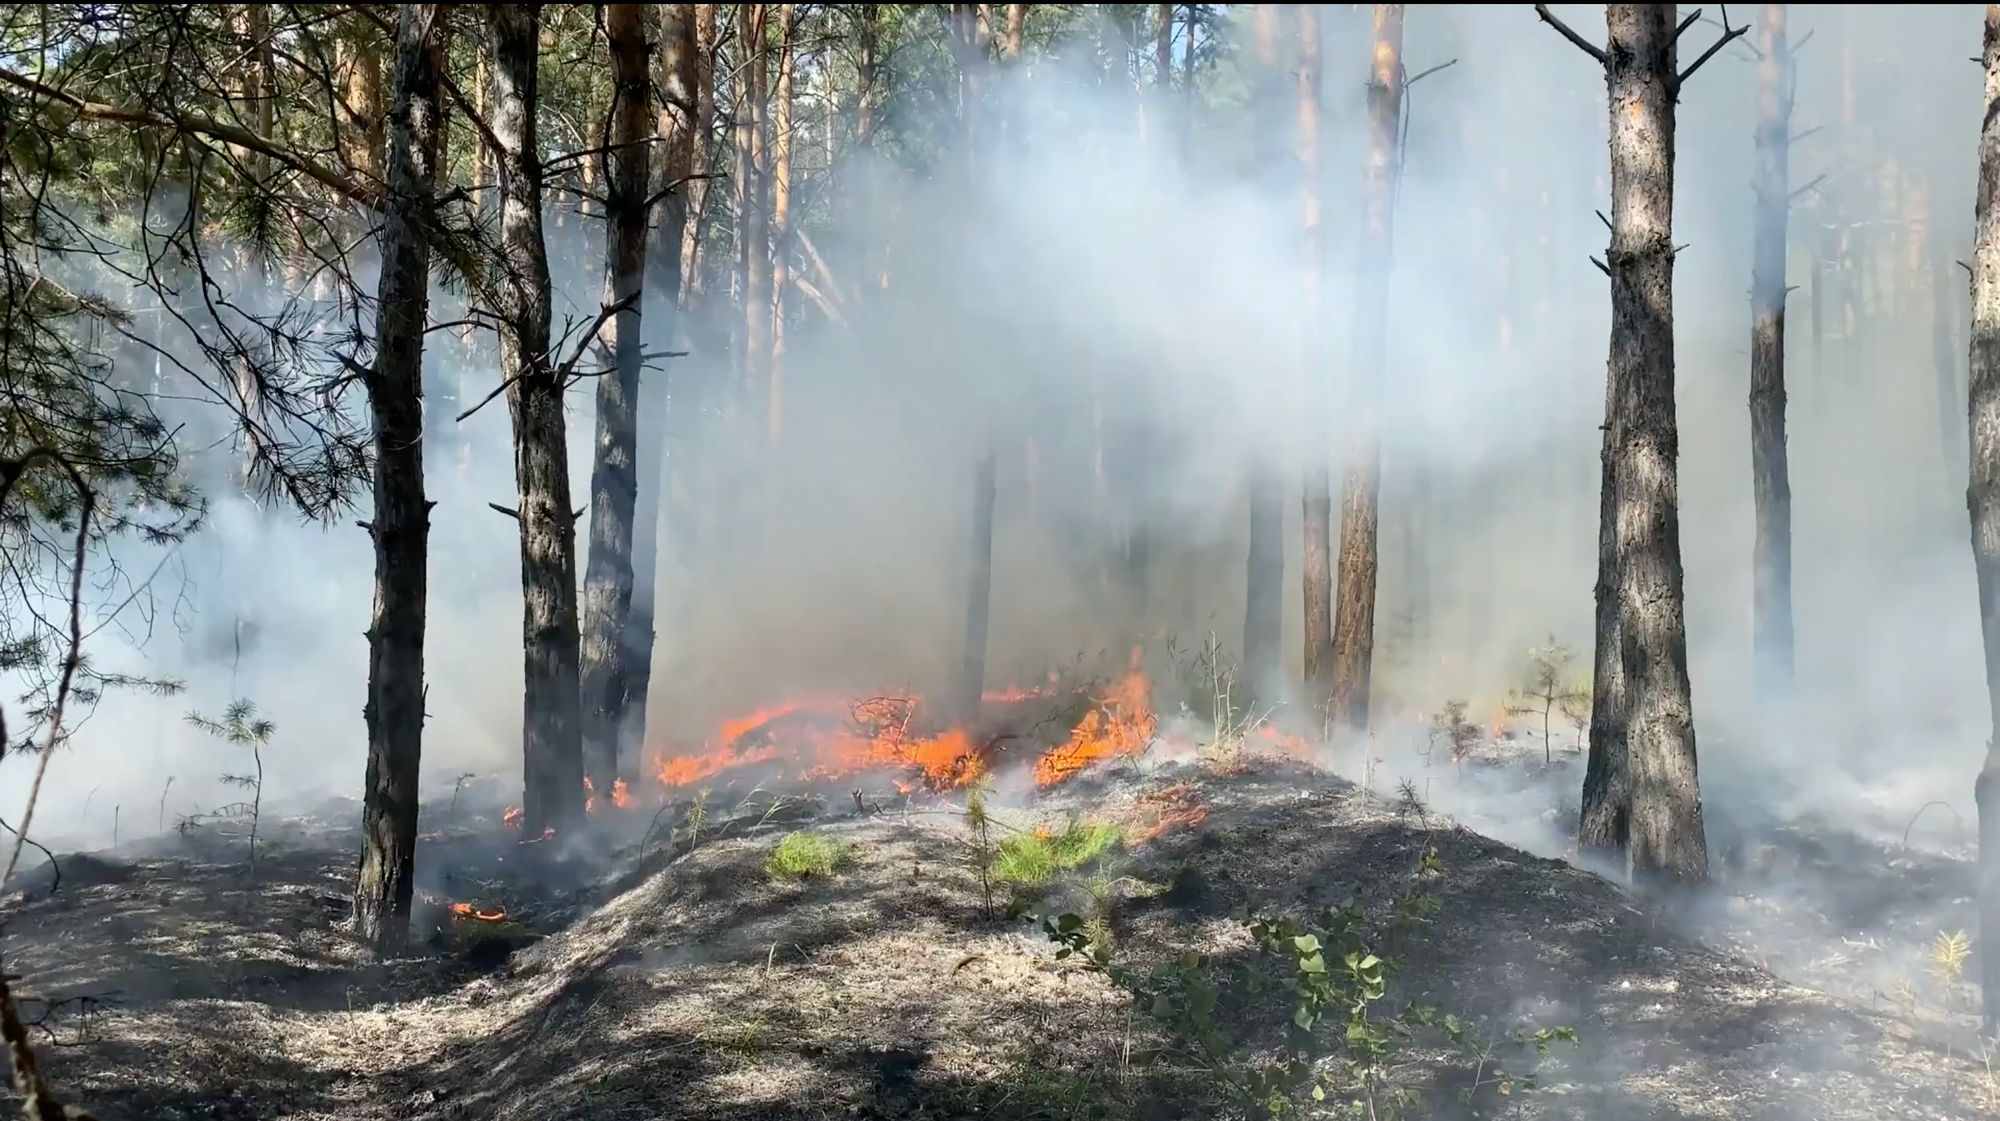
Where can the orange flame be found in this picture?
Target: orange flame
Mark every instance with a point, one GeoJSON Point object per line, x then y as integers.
{"type": "Point", "coordinates": [1120, 724]}
{"type": "Point", "coordinates": [511, 815]}
{"type": "Point", "coordinates": [825, 738]}
{"type": "Point", "coordinates": [468, 911]}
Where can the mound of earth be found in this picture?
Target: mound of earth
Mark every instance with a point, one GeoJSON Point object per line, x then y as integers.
{"type": "Point", "coordinates": [683, 981]}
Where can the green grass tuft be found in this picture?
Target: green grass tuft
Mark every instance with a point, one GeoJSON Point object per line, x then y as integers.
{"type": "Point", "coordinates": [805, 853]}
{"type": "Point", "coordinates": [1034, 858]}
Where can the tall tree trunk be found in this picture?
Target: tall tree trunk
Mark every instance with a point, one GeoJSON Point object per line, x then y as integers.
{"type": "Point", "coordinates": [969, 46]}
{"type": "Point", "coordinates": [1017, 24]}
{"type": "Point", "coordinates": [400, 526]}
{"type": "Point", "coordinates": [604, 654]}
{"type": "Point", "coordinates": [866, 46]}
{"type": "Point", "coordinates": [1317, 562]}
{"type": "Point", "coordinates": [1264, 597]}
{"type": "Point", "coordinates": [753, 120]}
{"type": "Point", "coordinates": [259, 98]}
{"type": "Point", "coordinates": [1649, 763]}
{"type": "Point", "coordinates": [1946, 293]}
{"type": "Point", "coordinates": [1982, 499]}
{"type": "Point", "coordinates": [665, 397]}
{"type": "Point", "coordinates": [701, 160]}
{"type": "Point", "coordinates": [1770, 473]}
{"type": "Point", "coordinates": [1361, 491]}
{"type": "Point", "coordinates": [552, 735]}
{"type": "Point", "coordinates": [361, 136]}
{"type": "Point", "coordinates": [781, 220]}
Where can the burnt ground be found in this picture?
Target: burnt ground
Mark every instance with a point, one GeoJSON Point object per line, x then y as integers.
{"type": "Point", "coordinates": [686, 983]}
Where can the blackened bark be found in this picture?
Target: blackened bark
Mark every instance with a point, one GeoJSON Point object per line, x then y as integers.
{"type": "Point", "coordinates": [1317, 404]}
{"type": "Point", "coordinates": [552, 743]}
{"type": "Point", "coordinates": [1664, 838]}
{"type": "Point", "coordinates": [1770, 473]}
{"type": "Point", "coordinates": [1361, 491]}
{"type": "Point", "coordinates": [663, 396]}
{"type": "Point", "coordinates": [1982, 499]}
{"type": "Point", "coordinates": [400, 525]}
{"type": "Point", "coordinates": [1263, 608]}
{"type": "Point", "coordinates": [604, 655]}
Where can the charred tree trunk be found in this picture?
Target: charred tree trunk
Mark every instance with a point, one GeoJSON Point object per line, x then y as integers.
{"type": "Point", "coordinates": [1640, 791]}
{"type": "Point", "coordinates": [400, 527]}
{"type": "Point", "coordinates": [1770, 473]}
{"type": "Point", "coordinates": [604, 654]}
{"type": "Point", "coordinates": [781, 220]}
{"type": "Point", "coordinates": [1982, 499]}
{"type": "Point", "coordinates": [969, 45]}
{"type": "Point", "coordinates": [551, 743]}
{"type": "Point", "coordinates": [1361, 491]}
{"type": "Point", "coordinates": [1264, 597]}
{"type": "Point", "coordinates": [662, 396]}
{"type": "Point", "coordinates": [1317, 561]}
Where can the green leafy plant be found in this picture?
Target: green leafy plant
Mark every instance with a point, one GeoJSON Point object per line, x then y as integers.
{"type": "Point", "coordinates": [805, 854]}
{"type": "Point", "coordinates": [980, 822]}
{"type": "Point", "coordinates": [240, 726]}
{"type": "Point", "coordinates": [1324, 991]}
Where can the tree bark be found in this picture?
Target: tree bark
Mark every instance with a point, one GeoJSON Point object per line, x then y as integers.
{"type": "Point", "coordinates": [400, 526]}
{"type": "Point", "coordinates": [362, 136]}
{"type": "Point", "coordinates": [696, 199]}
{"type": "Point", "coordinates": [664, 396]}
{"type": "Point", "coordinates": [1770, 473]}
{"type": "Point", "coordinates": [1946, 292]}
{"type": "Point", "coordinates": [969, 44]}
{"type": "Point", "coordinates": [1361, 490]}
{"type": "Point", "coordinates": [552, 743]}
{"type": "Point", "coordinates": [1317, 561]}
{"type": "Point", "coordinates": [1264, 576]}
{"type": "Point", "coordinates": [604, 654]}
{"type": "Point", "coordinates": [781, 220]}
{"type": "Point", "coordinates": [1982, 499]}
{"type": "Point", "coordinates": [753, 120]}
{"type": "Point", "coordinates": [1653, 762]}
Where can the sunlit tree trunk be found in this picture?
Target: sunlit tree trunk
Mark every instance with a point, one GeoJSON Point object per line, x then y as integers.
{"type": "Point", "coordinates": [781, 219]}
{"type": "Point", "coordinates": [400, 522]}
{"type": "Point", "coordinates": [1317, 404]}
{"type": "Point", "coordinates": [551, 742]}
{"type": "Point", "coordinates": [669, 397]}
{"type": "Point", "coordinates": [1770, 473]}
{"type": "Point", "coordinates": [753, 119]}
{"type": "Point", "coordinates": [362, 131]}
{"type": "Point", "coordinates": [1982, 499]}
{"type": "Point", "coordinates": [1361, 491]}
{"type": "Point", "coordinates": [1263, 611]}
{"type": "Point", "coordinates": [605, 655]}
{"type": "Point", "coordinates": [1646, 784]}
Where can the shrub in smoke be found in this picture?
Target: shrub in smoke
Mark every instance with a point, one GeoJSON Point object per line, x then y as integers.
{"type": "Point", "coordinates": [240, 726]}
{"type": "Point", "coordinates": [1453, 732]}
{"type": "Point", "coordinates": [1548, 690]}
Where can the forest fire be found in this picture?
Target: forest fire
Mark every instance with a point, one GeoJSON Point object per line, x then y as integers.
{"type": "Point", "coordinates": [837, 739]}
{"type": "Point", "coordinates": [477, 914]}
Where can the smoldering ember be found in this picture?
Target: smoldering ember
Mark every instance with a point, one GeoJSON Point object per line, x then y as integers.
{"type": "Point", "coordinates": [1031, 561]}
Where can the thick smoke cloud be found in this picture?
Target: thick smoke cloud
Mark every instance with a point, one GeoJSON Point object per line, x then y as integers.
{"type": "Point", "coordinates": [1095, 289]}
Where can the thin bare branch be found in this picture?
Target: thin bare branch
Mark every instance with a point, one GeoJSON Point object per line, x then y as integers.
{"type": "Point", "coordinates": [1564, 30]}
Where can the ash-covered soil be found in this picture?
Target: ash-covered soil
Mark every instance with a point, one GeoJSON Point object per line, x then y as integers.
{"type": "Point", "coordinates": [684, 982]}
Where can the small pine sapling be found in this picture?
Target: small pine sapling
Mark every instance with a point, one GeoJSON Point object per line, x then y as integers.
{"type": "Point", "coordinates": [1547, 690]}
{"type": "Point", "coordinates": [980, 823]}
{"type": "Point", "coordinates": [1576, 709]}
{"type": "Point", "coordinates": [1458, 735]}
{"type": "Point", "coordinates": [240, 726]}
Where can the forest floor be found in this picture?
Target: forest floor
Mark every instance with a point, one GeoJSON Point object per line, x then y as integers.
{"type": "Point", "coordinates": [676, 977]}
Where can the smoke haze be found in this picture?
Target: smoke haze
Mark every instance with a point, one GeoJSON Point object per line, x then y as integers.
{"type": "Point", "coordinates": [1116, 309]}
